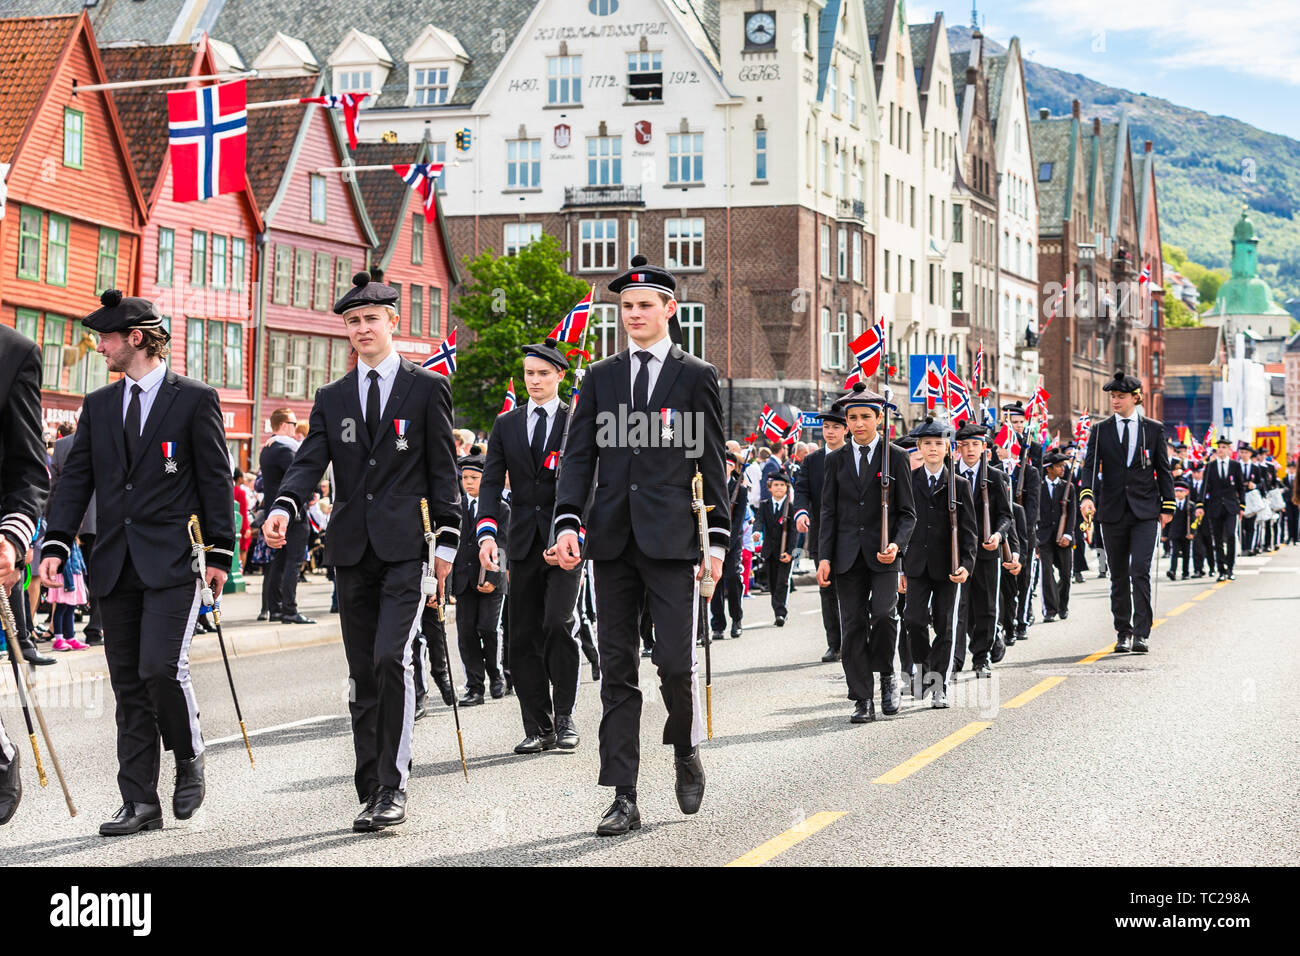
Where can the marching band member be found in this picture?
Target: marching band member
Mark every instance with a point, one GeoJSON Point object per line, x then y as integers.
{"type": "Point", "coordinates": [1223, 502]}
{"type": "Point", "coordinates": [980, 601]}
{"type": "Point", "coordinates": [731, 588]}
{"type": "Point", "coordinates": [1055, 537]}
{"type": "Point", "coordinates": [776, 517]}
{"type": "Point", "coordinates": [808, 500]}
{"type": "Point", "coordinates": [478, 603]}
{"type": "Point", "coordinates": [1026, 492]}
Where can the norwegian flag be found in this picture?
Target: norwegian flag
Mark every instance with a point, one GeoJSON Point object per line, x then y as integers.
{"type": "Point", "coordinates": [349, 103]}
{"type": "Point", "coordinates": [773, 426]}
{"type": "Point", "coordinates": [421, 177]}
{"type": "Point", "coordinates": [511, 401]}
{"type": "Point", "coordinates": [958, 400]}
{"type": "Point", "coordinates": [1007, 439]}
{"type": "Point", "coordinates": [1083, 427]}
{"type": "Point", "coordinates": [207, 132]}
{"type": "Point", "coordinates": [854, 377]}
{"type": "Point", "coordinates": [443, 361]}
{"type": "Point", "coordinates": [934, 389]}
{"type": "Point", "coordinates": [571, 328]}
{"type": "Point", "coordinates": [1056, 305]}
{"type": "Point", "coordinates": [1038, 404]}
{"type": "Point", "coordinates": [1145, 277]}
{"type": "Point", "coordinates": [979, 366]}
{"type": "Point", "coordinates": [868, 349]}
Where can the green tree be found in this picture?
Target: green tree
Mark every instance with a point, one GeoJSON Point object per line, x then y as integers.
{"type": "Point", "coordinates": [509, 301]}
{"type": "Point", "coordinates": [1177, 314]}
{"type": "Point", "coordinates": [1208, 286]}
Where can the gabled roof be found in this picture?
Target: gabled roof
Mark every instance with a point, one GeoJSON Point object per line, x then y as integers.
{"type": "Point", "coordinates": [273, 133]}
{"type": "Point", "coordinates": [995, 68]}
{"type": "Point", "coordinates": [959, 62]}
{"type": "Point", "coordinates": [1054, 141]}
{"type": "Point", "coordinates": [925, 43]}
{"type": "Point", "coordinates": [1144, 173]}
{"type": "Point", "coordinates": [144, 111]}
{"type": "Point", "coordinates": [877, 12]}
{"type": "Point", "coordinates": [145, 21]}
{"type": "Point", "coordinates": [827, 23]}
{"type": "Point", "coordinates": [1198, 345]}
{"type": "Point", "coordinates": [30, 48]}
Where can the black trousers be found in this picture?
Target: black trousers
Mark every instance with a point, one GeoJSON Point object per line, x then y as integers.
{"type": "Point", "coordinates": [1056, 563]}
{"type": "Point", "coordinates": [380, 607]}
{"type": "Point", "coordinates": [147, 649]}
{"type": "Point", "coordinates": [505, 636]}
{"type": "Point", "coordinates": [427, 652]}
{"type": "Point", "coordinates": [1248, 534]}
{"type": "Point", "coordinates": [1179, 548]}
{"type": "Point", "coordinates": [1025, 585]}
{"type": "Point", "coordinates": [1130, 546]}
{"type": "Point", "coordinates": [778, 582]}
{"type": "Point", "coordinates": [282, 575]}
{"type": "Point", "coordinates": [1203, 546]}
{"type": "Point", "coordinates": [95, 625]}
{"type": "Point", "coordinates": [543, 640]}
{"type": "Point", "coordinates": [586, 611]}
{"type": "Point", "coordinates": [1009, 596]}
{"type": "Point", "coordinates": [728, 593]}
{"type": "Point", "coordinates": [831, 616]}
{"type": "Point", "coordinates": [478, 623]}
{"type": "Point", "coordinates": [868, 625]}
{"type": "Point", "coordinates": [664, 589]}
{"type": "Point", "coordinates": [1225, 541]}
{"type": "Point", "coordinates": [931, 602]}
{"type": "Point", "coordinates": [7, 747]}
{"type": "Point", "coordinates": [979, 611]}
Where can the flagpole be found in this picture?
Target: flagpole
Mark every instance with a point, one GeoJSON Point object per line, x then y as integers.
{"type": "Point", "coordinates": [268, 104]}
{"type": "Point", "coordinates": [160, 81]}
{"type": "Point", "coordinates": [568, 420]}
{"type": "Point", "coordinates": [361, 169]}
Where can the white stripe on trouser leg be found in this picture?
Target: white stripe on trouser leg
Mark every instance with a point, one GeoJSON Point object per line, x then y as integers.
{"type": "Point", "coordinates": [408, 692]}
{"type": "Point", "coordinates": [183, 673]}
{"type": "Point", "coordinates": [6, 745]}
{"type": "Point", "coordinates": [952, 645]}
{"type": "Point", "coordinates": [698, 732]}
{"type": "Point", "coordinates": [997, 606]}
{"type": "Point", "coordinates": [576, 618]}
{"type": "Point", "coordinates": [501, 637]}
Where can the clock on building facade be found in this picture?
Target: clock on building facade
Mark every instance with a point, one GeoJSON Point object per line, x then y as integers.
{"type": "Point", "coordinates": [760, 30]}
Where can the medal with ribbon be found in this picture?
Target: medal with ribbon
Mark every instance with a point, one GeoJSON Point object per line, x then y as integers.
{"type": "Point", "coordinates": [552, 461]}
{"type": "Point", "coordinates": [666, 417]}
{"type": "Point", "coordinates": [399, 426]}
{"type": "Point", "coordinates": [169, 457]}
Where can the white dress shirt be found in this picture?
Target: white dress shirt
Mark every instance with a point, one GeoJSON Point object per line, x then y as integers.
{"type": "Point", "coordinates": [863, 451]}
{"type": "Point", "coordinates": [148, 392]}
{"type": "Point", "coordinates": [660, 352]}
{"type": "Point", "coordinates": [387, 370]}
{"type": "Point", "coordinates": [552, 408]}
{"type": "Point", "coordinates": [932, 477]}
{"type": "Point", "coordinates": [970, 472]}
{"type": "Point", "coordinates": [1132, 434]}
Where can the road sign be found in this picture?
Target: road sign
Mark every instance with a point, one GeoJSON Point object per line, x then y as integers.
{"type": "Point", "coordinates": [916, 365]}
{"type": "Point", "coordinates": [810, 420]}
{"type": "Point", "coordinates": [1227, 418]}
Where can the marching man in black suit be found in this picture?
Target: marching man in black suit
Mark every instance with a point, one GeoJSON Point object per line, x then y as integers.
{"type": "Point", "coordinates": [648, 419]}
{"type": "Point", "coordinates": [933, 588]}
{"type": "Point", "coordinates": [281, 581]}
{"type": "Point", "coordinates": [153, 446]}
{"type": "Point", "coordinates": [478, 604]}
{"type": "Point", "coordinates": [1127, 473]}
{"type": "Point", "coordinates": [1179, 531]}
{"type": "Point", "coordinates": [544, 650]}
{"type": "Point", "coordinates": [1055, 536]}
{"type": "Point", "coordinates": [24, 484]}
{"type": "Point", "coordinates": [776, 519]}
{"type": "Point", "coordinates": [1223, 501]}
{"type": "Point", "coordinates": [1026, 491]}
{"type": "Point", "coordinates": [849, 549]}
{"type": "Point", "coordinates": [384, 463]}
{"type": "Point", "coordinates": [730, 590]}
{"type": "Point", "coordinates": [808, 500]}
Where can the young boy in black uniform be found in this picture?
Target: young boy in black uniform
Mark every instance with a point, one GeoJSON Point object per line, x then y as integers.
{"type": "Point", "coordinates": [478, 602]}
{"type": "Point", "coordinates": [776, 521]}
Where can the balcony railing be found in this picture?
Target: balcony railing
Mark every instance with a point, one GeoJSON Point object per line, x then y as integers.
{"type": "Point", "coordinates": [852, 209]}
{"type": "Point", "coordinates": [603, 196]}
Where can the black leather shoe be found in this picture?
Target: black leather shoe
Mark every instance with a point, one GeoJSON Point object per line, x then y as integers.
{"type": "Point", "coordinates": [445, 689]}
{"type": "Point", "coordinates": [263, 616]}
{"type": "Point", "coordinates": [595, 671]}
{"type": "Point", "coordinates": [1078, 577]}
{"type": "Point", "coordinates": [296, 619]}
{"type": "Point", "coordinates": [831, 656]}
{"type": "Point", "coordinates": [535, 744]}
{"type": "Point", "coordinates": [1101, 574]}
{"type": "Point", "coordinates": [1171, 576]}
{"type": "Point", "coordinates": [690, 781]}
{"type": "Point", "coordinates": [566, 734]}
{"type": "Point", "coordinates": [471, 699]}
{"type": "Point", "coordinates": [891, 699]}
{"type": "Point", "coordinates": [646, 652]}
{"type": "Point", "coordinates": [1065, 614]}
{"type": "Point", "coordinates": [132, 818]}
{"type": "Point", "coordinates": [1140, 645]}
{"type": "Point", "coordinates": [1222, 577]}
{"type": "Point", "coordinates": [1123, 643]}
{"type": "Point", "coordinates": [864, 712]}
{"type": "Point", "coordinates": [780, 621]}
{"type": "Point", "coordinates": [32, 656]}
{"type": "Point", "coordinates": [621, 817]}
{"type": "Point", "coordinates": [363, 823]}
{"type": "Point", "coordinates": [11, 790]}
{"type": "Point", "coordinates": [420, 709]}
{"type": "Point", "coordinates": [717, 635]}
{"type": "Point", "coordinates": [998, 650]}
{"type": "Point", "coordinates": [735, 631]}
{"type": "Point", "coordinates": [1232, 576]}
{"type": "Point", "coordinates": [390, 808]}
{"type": "Point", "coordinates": [498, 689]}
{"type": "Point", "coordinates": [1022, 633]}
{"type": "Point", "coordinates": [189, 787]}
{"type": "Point", "coordinates": [94, 639]}
{"type": "Point", "coordinates": [1010, 640]}
{"type": "Point", "coordinates": [1185, 577]}
{"type": "Point", "coordinates": [982, 669]}
{"type": "Point", "coordinates": [1049, 618]}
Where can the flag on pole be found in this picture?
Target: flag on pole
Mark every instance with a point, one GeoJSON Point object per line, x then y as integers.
{"type": "Point", "coordinates": [510, 401]}
{"type": "Point", "coordinates": [207, 132]}
{"type": "Point", "coordinates": [1056, 305]}
{"type": "Point", "coordinates": [868, 349]}
{"type": "Point", "coordinates": [957, 400]}
{"type": "Point", "coordinates": [571, 328]}
{"type": "Point", "coordinates": [854, 377]}
{"type": "Point", "coordinates": [443, 361]}
{"type": "Point", "coordinates": [1038, 404]}
{"type": "Point", "coordinates": [979, 366]}
{"type": "Point", "coordinates": [422, 178]}
{"type": "Point", "coordinates": [349, 103]}
{"type": "Point", "coordinates": [1083, 427]}
{"type": "Point", "coordinates": [1008, 440]}
{"type": "Point", "coordinates": [934, 391]}
{"type": "Point", "coordinates": [772, 425]}
{"type": "Point", "coordinates": [1145, 277]}
{"type": "Point", "coordinates": [1043, 434]}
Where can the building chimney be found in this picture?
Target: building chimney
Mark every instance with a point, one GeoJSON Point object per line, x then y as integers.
{"type": "Point", "coordinates": [1044, 112]}
{"type": "Point", "coordinates": [1074, 109]}
{"type": "Point", "coordinates": [1146, 146]}
{"type": "Point", "coordinates": [1096, 126]}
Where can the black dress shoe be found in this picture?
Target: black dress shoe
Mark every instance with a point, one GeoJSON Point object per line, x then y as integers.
{"type": "Point", "coordinates": [1065, 614]}
{"type": "Point", "coordinates": [1078, 577]}
{"type": "Point", "coordinates": [1140, 645]}
{"type": "Point", "coordinates": [420, 709]}
{"type": "Point", "coordinates": [263, 616]}
{"type": "Point", "coordinates": [1101, 574]}
{"type": "Point", "coordinates": [864, 712]}
{"type": "Point", "coordinates": [11, 790]}
{"type": "Point", "coordinates": [445, 689]}
{"type": "Point", "coordinates": [390, 808]}
{"type": "Point", "coordinates": [1123, 643]}
{"type": "Point", "coordinates": [1222, 577]}
{"type": "Point", "coordinates": [891, 698]}
{"type": "Point", "coordinates": [363, 823]}
{"type": "Point", "coordinates": [566, 734]}
{"type": "Point", "coordinates": [1022, 633]}
{"type": "Point", "coordinates": [735, 631]}
{"type": "Point", "coordinates": [334, 607]}
{"type": "Point", "coordinates": [32, 656]}
{"type": "Point", "coordinates": [646, 652]}
{"type": "Point", "coordinates": [831, 656]}
{"type": "Point", "coordinates": [982, 669]}
{"type": "Point", "coordinates": [1185, 577]}
{"type": "Point", "coordinates": [94, 638]}
{"type": "Point", "coordinates": [536, 743]}
{"type": "Point", "coordinates": [296, 619]}
{"type": "Point", "coordinates": [188, 796]}
{"type": "Point", "coordinates": [471, 699]}
{"type": "Point", "coordinates": [498, 689]}
{"type": "Point", "coordinates": [1049, 618]}
{"type": "Point", "coordinates": [1171, 576]}
{"type": "Point", "coordinates": [132, 818]}
{"type": "Point", "coordinates": [1232, 576]}
{"type": "Point", "coordinates": [780, 621]}
{"type": "Point", "coordinates": [595, 671]}
{"type": "Point", "coordinates": [1011, 639]}
{"type": "Point", "coordinates": [718, 635]}
{"type": "Point", "coordinates": [998, 650]}
{"type": "Point", "coordinates": [690, 781]}
{"type": "Point", "coordinates": [621, 817]}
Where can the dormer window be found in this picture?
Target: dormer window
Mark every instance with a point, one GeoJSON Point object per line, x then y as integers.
{"type": "Point", "coordinates": [354, 81]}
{"type": "Point", "coordinates": [360, 64]}
{"type": "Point", "coordinates": [431, 86]}
{"type": "Point", "coordinates": [435, 61]}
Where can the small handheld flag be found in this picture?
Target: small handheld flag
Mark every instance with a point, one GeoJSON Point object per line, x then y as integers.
{"type": "Point", "coordinates": [868, 349]}
{"type": "Point", "coordinates": [1008, 440]}
{"type": "Point", "coordinates": [443, 361]}
{"type": "Point", "coordinates": [510, 401]}
{"type": "Point", "coordinates": [772, 425]}
{"type": "Point", "coordinates": [571, 328]}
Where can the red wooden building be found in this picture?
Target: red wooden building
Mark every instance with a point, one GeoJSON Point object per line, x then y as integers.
{"type": "Point", "coordinates": [74, 211]}
{"type": "Point", "coordinates": [197, 259]}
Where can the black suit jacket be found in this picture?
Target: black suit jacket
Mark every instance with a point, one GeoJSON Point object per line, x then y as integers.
{"type": "Point", "coordinates": [930, 550]}
{"type": "Point", "coordinates": [274, 461]}
{"type": "Point", "coordinates": [808, 494]}
{"type": "Point", "coordinates": [1223, 496]}
{"type": "Point", "coordinates": [24, 477]}
{"type": "Point", "coordinates": [378, 486]}
{"type": "Point", "coordinates": [850, 518]}
{"type": "Point", "coordinates": [1030, 498]}
{"type": "Point", "coordinates": [1001, 519]}
{"type": "Point", "coordinates": [62, 448]}
{"type": "Point", "coordinates": [775, 524]}
{"type": "Point", "coordinates": [464, 570]}
{"type": "Point", "coordinates": [532, 489]}
{"type": "Point", "coordinates": [1181, 523]}
{"type": "Point", "coordinates": [644, 491]}
{"type": "Point", "coordinates": [1050, 511]}
{"type": "Point", "coordinates": [144, 509]}
{"type": "Point", "coordinates": [1147, 485]}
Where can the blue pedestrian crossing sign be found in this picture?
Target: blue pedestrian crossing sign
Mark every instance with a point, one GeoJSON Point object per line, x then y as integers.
{"type": "Point", "coordinates": [916, 366]}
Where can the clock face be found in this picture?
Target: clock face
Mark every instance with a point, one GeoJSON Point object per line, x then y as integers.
{"type": "Point", "coordinates": [760, 29]}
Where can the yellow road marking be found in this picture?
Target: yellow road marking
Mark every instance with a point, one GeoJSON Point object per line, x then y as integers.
{"type": "Point", "coordinates": [1180, 609]}
{"type": "Point", "coordinates": [1204, 594]}
{"type": "Point", "coordinates": [1220, 584]}
{"type": "Point", "coordinates": [1157, 622]}
{"type": "Point", "coordinates": [935, 751]}
{"type": "Point", "coordinates": [1097, 656]}
{"type": "Point", "coordinates": [1040, 688]}
{"type": "Point", "coordinates": [779, 844]}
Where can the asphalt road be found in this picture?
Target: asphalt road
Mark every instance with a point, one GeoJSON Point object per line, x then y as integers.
{"type": "Point", "coordinates": [1187, 755]}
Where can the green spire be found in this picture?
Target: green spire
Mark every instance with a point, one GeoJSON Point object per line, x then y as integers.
{"type": "Point", "coordinates": [1245, 293]}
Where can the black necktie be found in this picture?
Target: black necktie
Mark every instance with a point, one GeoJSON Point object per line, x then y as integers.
{"type": "Point", "coordinates": [473, 512]}
{"type": "Point", "coordinates": [934, 483]}
{"type": "Point", "coordinates": [1123, 440]}
{"type": "Point", "coordinates": [539, 437]}
{"type": "Point", "coordinates": [372, 405]}
{"type": "Point", "coordinates": [132, 426]}
{"type": "Point", "coordinates": [641, 387]}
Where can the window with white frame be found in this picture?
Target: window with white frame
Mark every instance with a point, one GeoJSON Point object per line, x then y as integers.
{"type": "Point", "coordinates": [855, 189]}
{"type": "Point", "coordinates": [645, 77]}
{"type": "Point", "coordinates": [760, 155]}
{"type": "Point", "coordinates": [826, 250]}
{"type": "Point", "coordinates": [690, 315]}
{"type": "Point", "coordinates": [604, 160]}
{"type": "Point", "coordinates": [440, 156]}
{"type": "Point", "coordinates": [842, 252]}
{"type": "Point", "coordinates": [563, 80]}
{"type": "Point", "coordinates": [684, 243]}
{"type": "Point", "coordinates": [523, 164]}
{"type": "Point", "coordinates": [431, 86]}
{"type": "Point", "coordinates": [603, 339]}
{"type": "Point", "coordinates": [824, 167]}
{"type": "Point", "coordinates": [317, 198]}
{"type": "Point", "coordinates": [354, 81]}
{"type": "Point", "coordinates": [833, 90]}
{"type": "Point", "coordinates": [851, 99]}
{"type": "Point", "coordinates": [686, 158]}
{"type": "Point", "coordinates": [857, 256]}
{"type": "Point", "coordinates": [842, 168]}
{"type": "Point", "coordinates": [520, 234]}
{"type": "Point", "coordinates": [633, 239]}
{"type": "Point", "coordinates": [839, 342]}
{"type": "Point", "coordinates": [597, 245]}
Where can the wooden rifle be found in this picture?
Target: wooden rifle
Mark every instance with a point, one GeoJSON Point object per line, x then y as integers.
{"type": "Point", "coordinates": [952, 508]}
